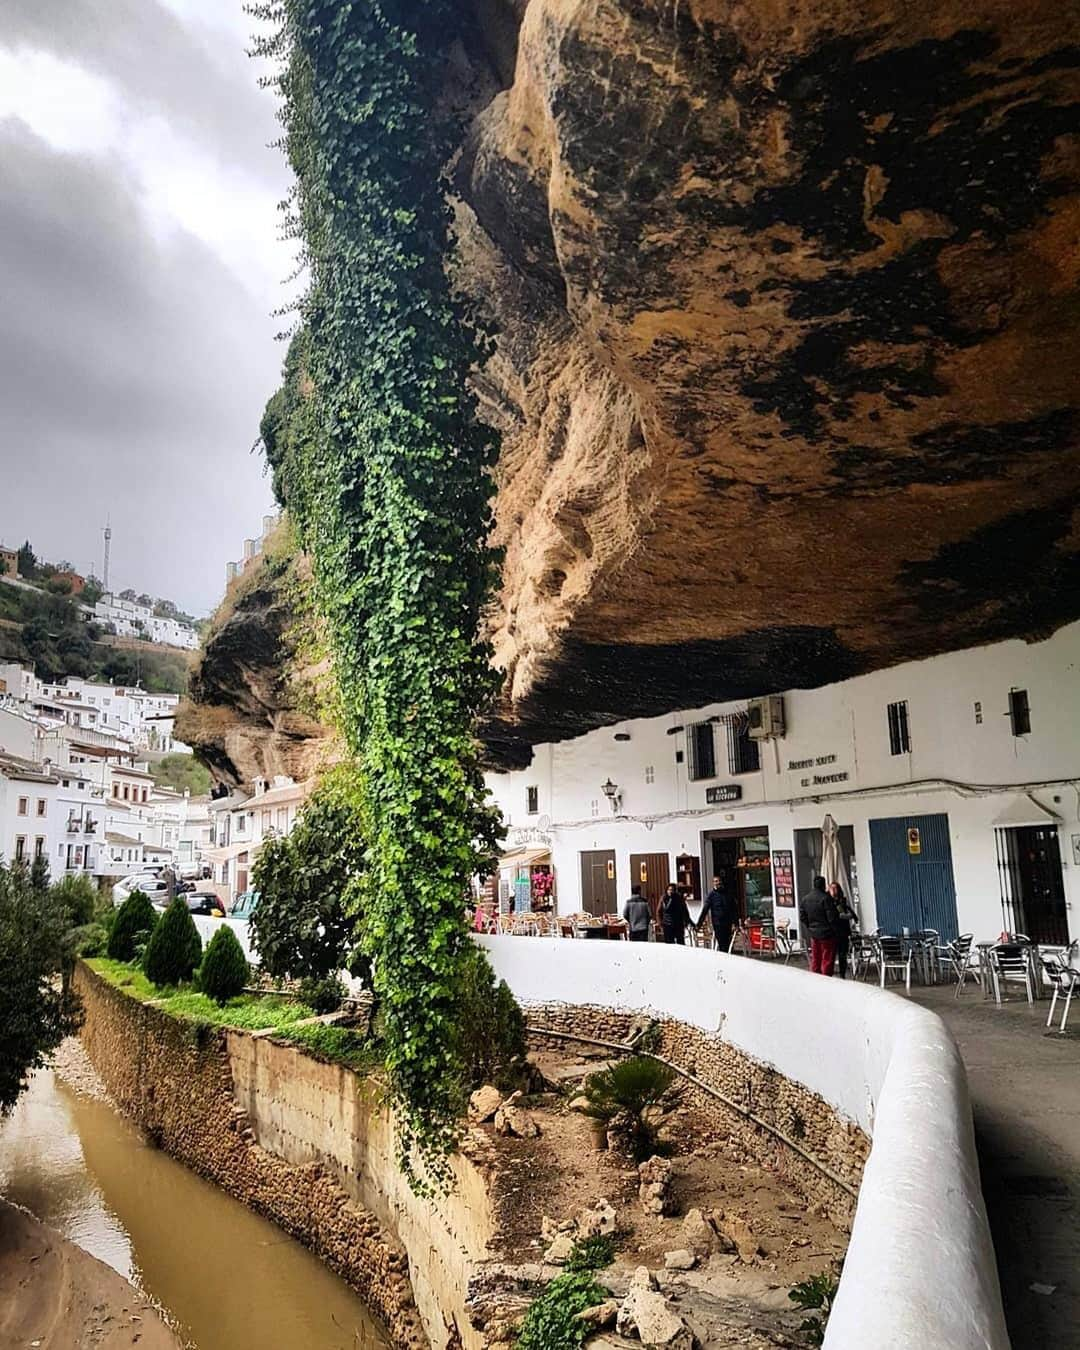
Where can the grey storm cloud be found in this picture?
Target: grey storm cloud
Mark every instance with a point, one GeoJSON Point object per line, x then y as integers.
{"type": "Point", "coordinates": [197, 78]}
{"type": "Point", "coordinates": [128, 365]}
{"type": "Point", "coordinates": [135, 361]}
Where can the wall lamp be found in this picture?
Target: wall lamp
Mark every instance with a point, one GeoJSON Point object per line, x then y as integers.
{"type": "Point", "coordinates": [612, 793]}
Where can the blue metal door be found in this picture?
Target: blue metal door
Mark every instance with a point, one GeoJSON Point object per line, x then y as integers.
{"type": "Point", "coordinates": [913, 874]}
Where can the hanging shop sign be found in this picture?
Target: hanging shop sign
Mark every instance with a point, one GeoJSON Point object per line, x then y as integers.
{"type": "Point", "coordinates": [783, 871]}
{"type": "Point", "coordinates": [723, 792]}
{"type": "Point", "coordinates": [914, 841]}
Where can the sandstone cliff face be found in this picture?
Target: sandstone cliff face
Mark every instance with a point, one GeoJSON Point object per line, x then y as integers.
{"type": "Point", "coordinates": [244, 712]}
{"type": "Point", "coordinates": [787, 315]}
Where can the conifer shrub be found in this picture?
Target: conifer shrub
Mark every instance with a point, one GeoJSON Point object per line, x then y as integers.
{"type": "Point", "coordinates": [174, 948]}
{"type": "Point", "coordinates": [224, 970]}
{"type": "Point", "coordinates": [135, 921]}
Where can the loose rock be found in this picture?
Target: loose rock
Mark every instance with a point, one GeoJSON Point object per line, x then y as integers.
{"type": "Point", "coordinates": [647, 1316]}
{"type": "Point", "coordinates": [679, 1260]}
{"type": "Point", "coordinates": [483, 1103]}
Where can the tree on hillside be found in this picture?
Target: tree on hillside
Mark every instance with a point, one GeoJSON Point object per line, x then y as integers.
{"type": "Point", "coordinates": [129, 594]}
{"type": "Point", "coordinates": [182, 772]}
{"type": "Point", "coordinates": [27, 562]}
{"type": "Point", "coordinates": [147, 601]}
{"type": "Point", "coordinates": [35, 1012]}
{"type": "Point", "coordinates": [92, 591]}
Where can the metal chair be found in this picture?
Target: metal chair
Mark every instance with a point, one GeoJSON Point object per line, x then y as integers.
{"type": "Point", "coordinates": [862, 955]}
{"type": "Point", "coordinates": [894, 954]}
{"type": "Point", "coordinates": [1011, 962]}
{"type": "Point", "coordinates": [958, 957]}
{"type": "Point", "coordinates": [1065, 980]}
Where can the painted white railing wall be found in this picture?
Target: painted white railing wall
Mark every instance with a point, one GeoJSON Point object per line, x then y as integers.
{"type": "Point", "coordinates": [920, 1272]}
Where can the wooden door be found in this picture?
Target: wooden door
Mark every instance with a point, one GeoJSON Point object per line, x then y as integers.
{"type": "Point", "coordinates": [651, 872]}
{"type": "Point", "coordinates": [598, 895]}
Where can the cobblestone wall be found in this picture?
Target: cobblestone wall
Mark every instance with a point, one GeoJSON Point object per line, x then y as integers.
{"type": "Point", "coordinates": [173, 1079]}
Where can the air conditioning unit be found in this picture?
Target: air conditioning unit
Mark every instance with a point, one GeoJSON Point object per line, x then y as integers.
{"type": "Point", "coordinates": [766, 717]}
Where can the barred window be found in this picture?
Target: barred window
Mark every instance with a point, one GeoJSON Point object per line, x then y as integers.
{"type": "Point", "coordinates": [899, 735]}
{"type": "Point", "coordinates": [701, 745]}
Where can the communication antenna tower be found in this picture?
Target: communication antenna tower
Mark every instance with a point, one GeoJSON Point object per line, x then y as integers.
{"type": "Point", "coordinates": [105, 569]}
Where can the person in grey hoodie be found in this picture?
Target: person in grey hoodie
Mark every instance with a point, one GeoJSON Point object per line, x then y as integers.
{"type": "Point", "coordinates": [637, 914]}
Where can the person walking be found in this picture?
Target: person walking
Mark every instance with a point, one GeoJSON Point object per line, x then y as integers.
{"type": "Point", "coordinates": [674, 915]}
{"type": "Point", "coordinates": [819, 920]}
{"type": "Point", "coordinates": [638, 916]}
{"type": "Point", "coordinates": [847, 921]}
{"type": "Point", "coordinates": [722, 911]}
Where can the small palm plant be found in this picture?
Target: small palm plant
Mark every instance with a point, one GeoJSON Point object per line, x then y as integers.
{"type": "Point", "coordinates": [623, 1096]}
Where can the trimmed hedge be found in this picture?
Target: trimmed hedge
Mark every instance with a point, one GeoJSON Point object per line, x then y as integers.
{"type": "Point", "coordinates": [135, 921]}
{"type": "Point", "coordinates": [174, 948]}
{"type": "Point", "coordinates": [224, 970]}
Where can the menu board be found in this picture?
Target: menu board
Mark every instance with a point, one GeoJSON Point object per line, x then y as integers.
{"type": "Point", "coordinates": [783, 878]}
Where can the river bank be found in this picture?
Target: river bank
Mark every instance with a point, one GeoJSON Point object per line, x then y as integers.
{"type": "Point", "coordinates": [69, 1157]}
{"type": "Point", "coordinates": [55, 1295]}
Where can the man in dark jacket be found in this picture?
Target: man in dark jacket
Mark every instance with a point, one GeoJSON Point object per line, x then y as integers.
{"type": "Point", "coordinates": [819, 920]}
{"type": "Point", "coordinates": [722, 910]}
{"type": "Point", "coordinates": [637, 914]}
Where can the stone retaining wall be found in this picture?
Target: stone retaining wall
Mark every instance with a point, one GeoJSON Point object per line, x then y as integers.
{"type": "Point", "coordinates": [175, 1080]}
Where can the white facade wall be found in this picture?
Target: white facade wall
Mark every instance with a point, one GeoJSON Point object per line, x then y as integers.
{"type": "Point", "coordinates": [973, 771]}
{"type": "Point", "coordinates": [21, 818]}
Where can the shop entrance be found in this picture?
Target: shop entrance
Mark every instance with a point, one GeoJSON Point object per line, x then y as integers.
{"type": "Point", "coordinates": [1032, 883]}
{"type": "Point", "coordinates": [742, 858]}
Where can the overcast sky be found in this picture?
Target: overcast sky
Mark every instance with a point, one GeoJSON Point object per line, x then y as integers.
{"type": "Point", "coordinates": [140, 265]}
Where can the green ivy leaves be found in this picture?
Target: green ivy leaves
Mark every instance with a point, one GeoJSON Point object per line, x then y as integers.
{"type": "Point", "coordinates": [377, 451]}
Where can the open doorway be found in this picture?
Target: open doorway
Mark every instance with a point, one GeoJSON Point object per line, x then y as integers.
{"type": "Point", "coordinates": [742, 858]}
{"type": "Point", "coordinates": [1032, 883]}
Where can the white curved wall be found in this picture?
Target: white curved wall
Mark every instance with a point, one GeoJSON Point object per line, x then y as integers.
{"type": "Point", "coordinates": [920, 1271]}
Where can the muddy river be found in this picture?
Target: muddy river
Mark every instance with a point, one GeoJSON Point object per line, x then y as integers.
{"type": "Point", "coordinates": [227, 1279]}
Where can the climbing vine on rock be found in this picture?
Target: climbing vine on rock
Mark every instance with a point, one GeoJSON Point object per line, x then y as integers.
{"type": "Point", "coordinates": [376, 449]}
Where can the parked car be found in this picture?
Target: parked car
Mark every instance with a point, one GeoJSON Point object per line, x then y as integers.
{"type": "Point", "coordinates": [152, 886]}
{"type": "Point", "coordinates": [205, 902]}
{"type": "Point", "coordinates": [244, 905]}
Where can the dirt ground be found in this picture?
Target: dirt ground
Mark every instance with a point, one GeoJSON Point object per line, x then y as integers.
{"type": "Point", "coordinates": [55, 1296]}
{"type": "Point", "coordinates": [561, 1173]}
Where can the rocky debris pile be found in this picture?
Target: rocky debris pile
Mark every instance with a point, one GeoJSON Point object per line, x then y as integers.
{"type": "Point", "coordinates": [487, 1104]}
{"type": "Point", "coordinates": [654, 1189]}
{"type": "Point", "coordinates": [645, 1315]}
{"type": "Point", "coordinates": [596, 1221]}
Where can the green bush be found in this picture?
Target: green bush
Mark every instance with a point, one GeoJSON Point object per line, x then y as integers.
{"type": "Point", "coordinates": [174, 948]}
{"type": "Point", "coordinates": [325, 995]}
{"type": "Point", "coordinates": [224, 970]}
{"type": "Point", "coordinates": [819, 1291]}
{"type": "Point", "coordinates": [552, 1322]}
{"type": "Point", "coordinates": [592, 1253]}
{"type": "Point", "coordinates": [492, 1026]}
{"type": "Point", "coordinates": [624, 1093]}
{"type": "Point", "coordinates": [78, 897]}
{"type": "Point", "coordinates": [135, 921]}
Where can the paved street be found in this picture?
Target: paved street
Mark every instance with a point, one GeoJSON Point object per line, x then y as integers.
{"type": "Point", "coordinates": [1025, 1089]}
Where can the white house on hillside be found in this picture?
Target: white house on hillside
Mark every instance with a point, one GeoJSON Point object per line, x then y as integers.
{"type": "Point", "coordinates": [127, 618]}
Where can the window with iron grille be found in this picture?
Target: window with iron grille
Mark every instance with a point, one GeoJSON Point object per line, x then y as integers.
{"type": "Point", "coordinates": [701, 745]}
{"type": "Point", "coordinates": [532, 800]}
{"type": "Point", "coordinates": [744, 754]}
{"type": "Point", "coordinates": [899, 735]}
{"type": "Point", "coordinates": [1019, 712]}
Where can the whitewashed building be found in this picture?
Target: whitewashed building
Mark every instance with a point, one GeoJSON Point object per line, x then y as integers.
{"type": "Point", "coordinates": [241, 824]}
{"type": "Point", "coordinates": [127, 618]}
{"type": "Point", "coordinates": [955, 783]}
{"type": "Point", "coordinates": [30, 815]}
